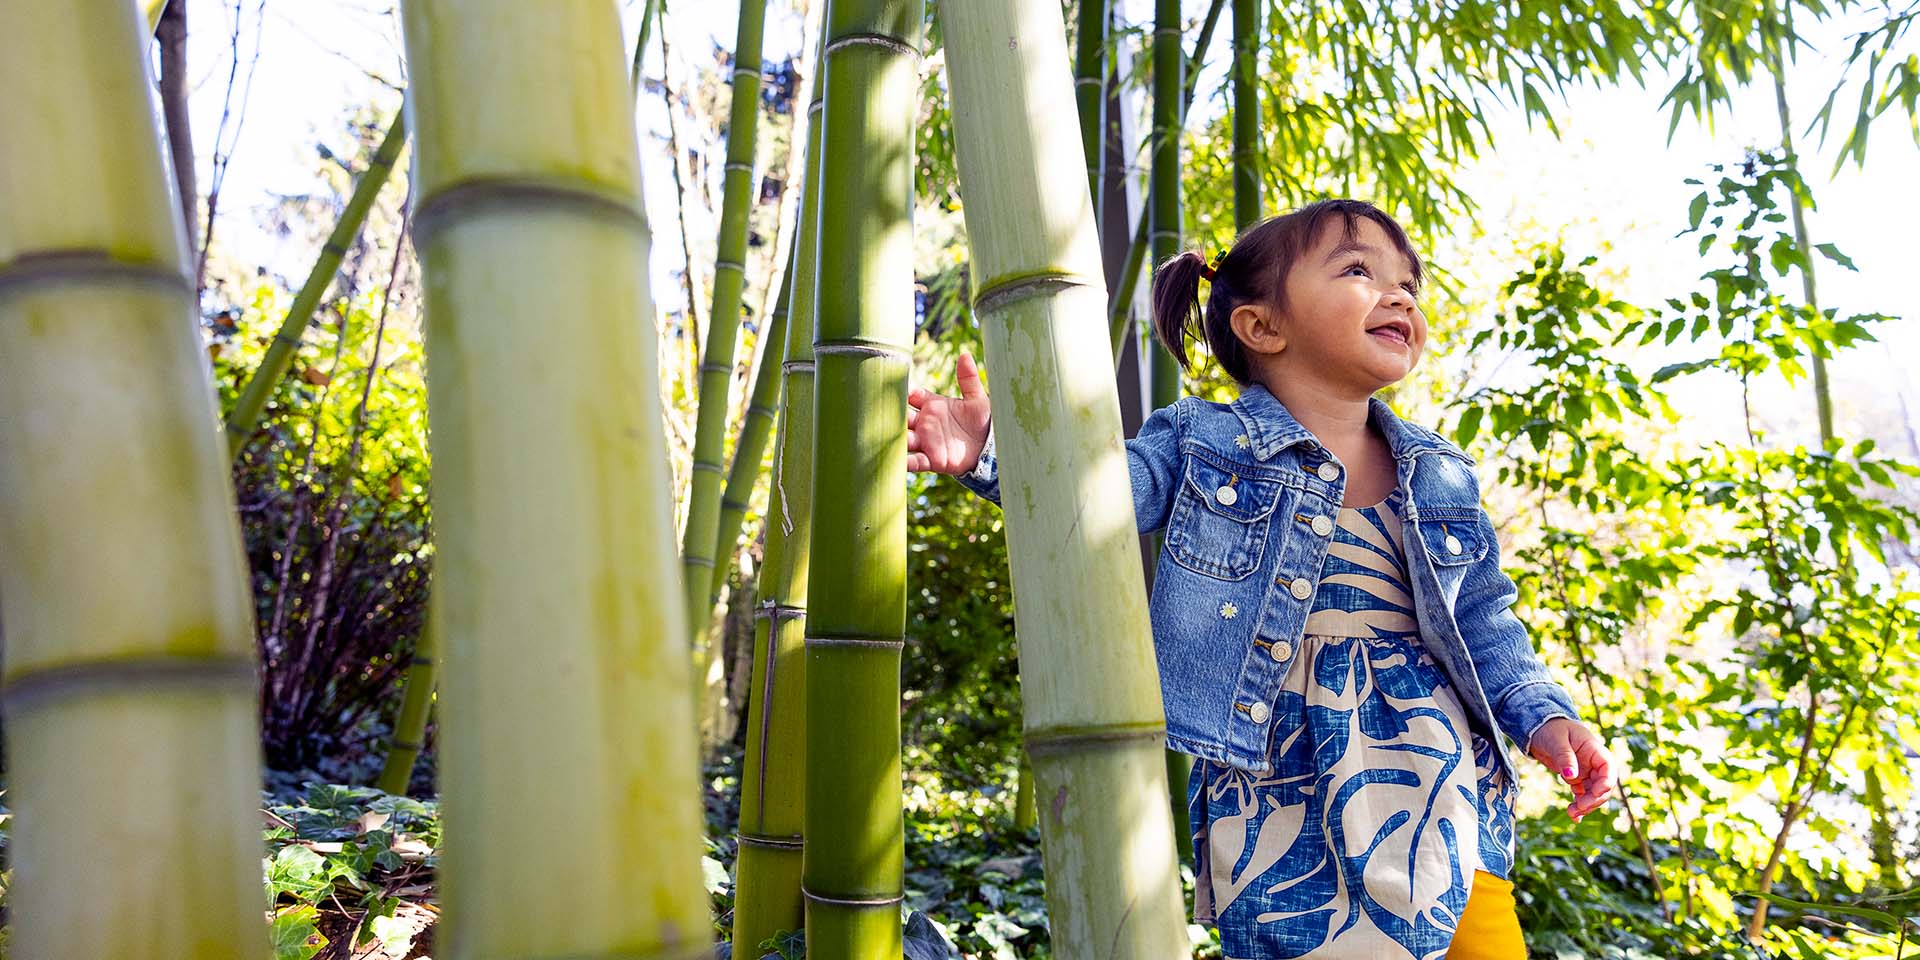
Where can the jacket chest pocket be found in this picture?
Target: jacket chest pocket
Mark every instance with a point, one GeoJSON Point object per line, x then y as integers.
{"type": "Point", "coordinates": [1220, 519]}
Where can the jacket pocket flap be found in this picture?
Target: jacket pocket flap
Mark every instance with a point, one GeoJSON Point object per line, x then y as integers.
{"type": "Point", "coordinates": [1230, 492]}
{"type": "Point", "coordinates": [1452, 542]}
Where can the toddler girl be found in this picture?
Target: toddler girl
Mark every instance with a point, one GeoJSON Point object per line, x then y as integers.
{"type": "Point", "coordinates": [1334, 634]}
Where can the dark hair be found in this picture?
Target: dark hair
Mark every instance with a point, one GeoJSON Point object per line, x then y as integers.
{"type": "Point", "coordinates": [1254, 271]}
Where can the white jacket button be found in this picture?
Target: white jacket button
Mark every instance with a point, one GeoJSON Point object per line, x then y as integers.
{"type": "Point", "coordinates": [1453, 544]}
{"type": "Point", "coordinates": [1281, 650]}
{"type": "Point", "coordinates": [1257, 713]}
{"type": "Point", "coordinates": [1323, 525]}
{"type": "Point", "coordinates": [1329, 471]}
{"type": "Point", "coordinates": [1302, 588]}
{"type": "Point", "coordinates": [1226, 496]}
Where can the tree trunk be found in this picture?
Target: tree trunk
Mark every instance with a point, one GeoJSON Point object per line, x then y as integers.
{"type": "Point", "coordinates": [773, 779]}
{"type": "Point", "coordinates": [567, 742]}
{"type": "Point", "coordinates": [1091, 694]}
{"type": "Point", "coordinates": [856, 620]}
{"type": "Point", "coordinates": [723, 328]}
{"type": "Point", "coordinates": [279, 356]}
{"type": "Point", "coordinates": [171, 35]}
{"type": "Point", "coordinates": [132, 718]}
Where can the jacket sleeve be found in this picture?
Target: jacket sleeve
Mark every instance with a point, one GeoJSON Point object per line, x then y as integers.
{"type": "Point", "coordinates": [1519, 688]}
{"type": "Point", "coordinates": [1153, 468]}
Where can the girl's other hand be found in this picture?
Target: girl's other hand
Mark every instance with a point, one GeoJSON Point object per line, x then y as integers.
{"type": "Point", "coordinates": [946, 434]}
{"type": "Point", "coordinates": [1577, 754]}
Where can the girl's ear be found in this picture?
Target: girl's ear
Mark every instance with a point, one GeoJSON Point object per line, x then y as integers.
{"type": "Point", "coordinates": [1258, 326]}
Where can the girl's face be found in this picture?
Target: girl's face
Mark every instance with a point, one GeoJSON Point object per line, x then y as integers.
{"type": "Point", "coordinates": [1350, 315]}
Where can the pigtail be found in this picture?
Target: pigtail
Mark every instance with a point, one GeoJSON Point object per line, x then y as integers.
{"type": "Point", "coordinates": [1176, 302]}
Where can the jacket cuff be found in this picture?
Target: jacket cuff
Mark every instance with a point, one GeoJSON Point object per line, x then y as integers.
{"type": "Point", "coordinates": [1527, 707]}
{"type": "Point", "coordinates": [984, 478]}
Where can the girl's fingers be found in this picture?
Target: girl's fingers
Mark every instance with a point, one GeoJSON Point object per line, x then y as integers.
{"type": "Point", "coordinates": [917, 463]}
{"type": "Point", "coordinates": [913, 442]}
{"type": "Point", "coordinates": [913, 416]}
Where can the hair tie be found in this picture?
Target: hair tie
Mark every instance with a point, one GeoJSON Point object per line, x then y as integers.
{"type": "Point", "coordinates": [1207, 269]}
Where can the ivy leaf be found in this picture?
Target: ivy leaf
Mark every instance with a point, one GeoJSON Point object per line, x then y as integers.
{"type": "Point", "coordinates": [294, 933]}
{"type": "Point", "coordinates": [923, 940]}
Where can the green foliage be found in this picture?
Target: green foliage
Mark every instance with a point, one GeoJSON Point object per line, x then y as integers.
{"type": "Point", "coordinates": [1726, 603]}
{"type": "Point", "coordinates": [335, 519]}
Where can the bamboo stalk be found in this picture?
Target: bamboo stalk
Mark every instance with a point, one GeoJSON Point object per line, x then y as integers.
{"type": "Point", "coordinates": [1026, 811]}
{"type": "Point", "coordinates": [279, 356]}
{"type": "Point", "coordinates": [1246, 113]}
{"type": "Point", "coordinates": [410, 727]}
{"type": "Point", "coordinates": [723, 327]}
{"type": "Point", "coordinates": [755, 432]}
{"type": "Point", "coordinates": [1090, 690]}
{"type": "Point", "coordinates": [767, 896]}
{"type": "Point", "coordinates": [1120, 305]}
{"type": "Point", "coordinates": [1169, 79]}
{"type": "Point", "coordinates": [856, 620]}
{"type": "Point", "coordinates": [567, 745]}
{"type": "Point", "coordinates": [1089, 80]}
{"type": "Point", "coordinates": [129, 679]}
{"type": "Point", "coordinates": [638, 76]}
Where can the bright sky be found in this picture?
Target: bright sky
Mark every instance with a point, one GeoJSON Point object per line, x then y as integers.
{"type": "Point", "coordinates": [1614, 176]}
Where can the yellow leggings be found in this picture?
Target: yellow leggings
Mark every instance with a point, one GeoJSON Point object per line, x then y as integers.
{"type": "Point", "coordinates": [1489, 928]}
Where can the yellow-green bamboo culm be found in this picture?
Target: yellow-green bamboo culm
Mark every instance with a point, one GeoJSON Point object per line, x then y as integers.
{"type": "Point", "coordinates": [131, 715]}
{"type": "Point", "coordinates": [766, 898]}
{"type": "Point", "coordinates": [857, 600]}
{"type": "Point", "coordinates": [247, 408]}
{"type": "Point", "coordinates": [1088, 684]}
{"type": "Point", "coordinates": [410, 726]}
{"type": "Point", "coordinates": [723, 327]}
{"type": "Point", "coordinates": [568, 754]}
{"type": "Point", "coordinates": [755, 432]}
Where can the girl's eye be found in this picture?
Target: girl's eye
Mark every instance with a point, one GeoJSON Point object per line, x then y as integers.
{"type": "Point", "coordinates": [1411, 290]}
{"type": "Point", "coordinates": [1356, 265]}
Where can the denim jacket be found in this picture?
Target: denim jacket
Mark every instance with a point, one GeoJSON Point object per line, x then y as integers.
{"type": "Point", "coordinates": [1247, 497]}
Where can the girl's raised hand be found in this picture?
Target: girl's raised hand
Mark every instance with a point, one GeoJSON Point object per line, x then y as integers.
{"type": "Point", "coordinates": [1577, 754]}
{"type": "Point", "coordinates": [946, 434]}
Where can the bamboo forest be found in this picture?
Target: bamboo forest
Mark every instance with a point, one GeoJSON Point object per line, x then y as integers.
{"type": "Point", "coordinates": [686, 290]}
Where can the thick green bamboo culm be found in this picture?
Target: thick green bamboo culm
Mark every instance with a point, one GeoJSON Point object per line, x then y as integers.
{"type": "Point", "coordinates": [410, 726]}
{"type": "Point", "coordinates": [1120, 305]}
{"type": "Point", "coordinates": [1090, 84]}
{"type": "Point", "coordinates": [723, 327]}
{"type": "Point", "coordinates": [1088, 684]}
{"type": "Point", "coordinates": [857, 599]}
{"type": "Point", "coordinates": [1246, 113]}
{"type": "Point", "coordinates": [279, 356]}
{"type": "Point", "coordinates": [1164, 227]}
{"type": "Point", "coordinates": [755, 432]}
{"type": "Point", "coordinates": [567, 744]}
{"type": "Point", "coordinates": [129, 662]}
{"type": "Point", "coordinates": [766, 898]}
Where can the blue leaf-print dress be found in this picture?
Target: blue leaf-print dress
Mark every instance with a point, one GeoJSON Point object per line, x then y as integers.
{"type": "Point", "coordinates": [1364, 840]}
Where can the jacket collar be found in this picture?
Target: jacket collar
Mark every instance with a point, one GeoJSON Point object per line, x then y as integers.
{"type": "Point", "coordinates": [1271, 428]}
